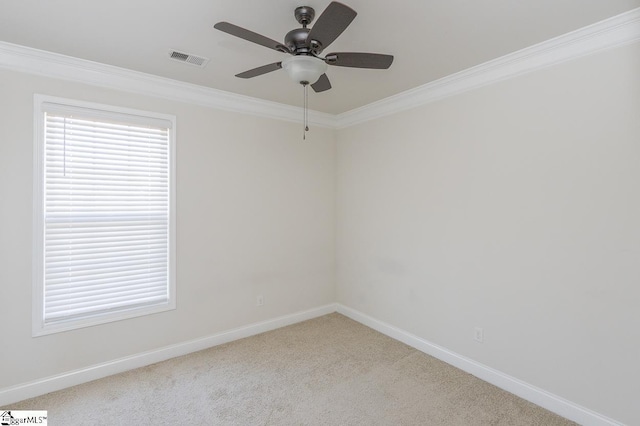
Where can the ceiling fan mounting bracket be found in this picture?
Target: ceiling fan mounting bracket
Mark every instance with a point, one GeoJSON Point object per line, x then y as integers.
{"type": "Point", "coordinates": [304, 15]}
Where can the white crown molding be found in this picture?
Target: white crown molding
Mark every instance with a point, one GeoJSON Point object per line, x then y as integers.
{"type": "Point", "coordinates": [39, 62]}
{"type": "Point", "coordinates": [541, 397]}
{"type": "Point", "coordinates": [610, 33]}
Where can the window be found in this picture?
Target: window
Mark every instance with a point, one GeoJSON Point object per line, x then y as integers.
{"type": "Point", "coordinates": [104, 214]}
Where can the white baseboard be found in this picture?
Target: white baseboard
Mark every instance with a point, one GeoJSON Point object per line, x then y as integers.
{"type": "Point", "coordinates": [50, 384]}
{"type": "Point", "coordinates": [551, 402]}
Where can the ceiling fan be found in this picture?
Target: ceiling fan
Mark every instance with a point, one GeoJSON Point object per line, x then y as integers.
{"type": "Point", "coordinates": [306, 66]}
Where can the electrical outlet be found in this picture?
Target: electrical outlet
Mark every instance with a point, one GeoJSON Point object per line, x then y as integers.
{"type": "Point", "coordinates": [478, 335]}
{"type": "Point", "coordinates": [259, 300]}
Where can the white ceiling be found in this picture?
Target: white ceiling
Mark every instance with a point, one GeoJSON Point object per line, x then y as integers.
{"type": "Point", "coordinates": [429, 38]}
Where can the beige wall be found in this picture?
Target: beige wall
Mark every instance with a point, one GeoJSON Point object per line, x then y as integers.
{"type": "Point", "coordinates": [515, 208]}
{"type": "Point", "coordinates": [255, 215]}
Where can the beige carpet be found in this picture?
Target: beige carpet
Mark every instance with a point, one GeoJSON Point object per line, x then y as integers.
{"type": "Point", "coordinates": [326, 371]}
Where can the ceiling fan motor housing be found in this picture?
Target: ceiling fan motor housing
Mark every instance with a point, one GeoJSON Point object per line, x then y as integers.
{"type": "Point", "coordinates": [296, 40]}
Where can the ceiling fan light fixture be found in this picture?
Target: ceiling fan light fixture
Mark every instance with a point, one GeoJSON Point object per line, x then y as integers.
{"type": "Point", "coordinates": [304, 69]}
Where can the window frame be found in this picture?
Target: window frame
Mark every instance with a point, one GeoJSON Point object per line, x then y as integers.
{"type": "Point", "coordinates": [39, 327]}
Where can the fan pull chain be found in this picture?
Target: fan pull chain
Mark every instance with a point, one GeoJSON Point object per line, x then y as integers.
{"type": "Point", "coordinates": [305, 113]}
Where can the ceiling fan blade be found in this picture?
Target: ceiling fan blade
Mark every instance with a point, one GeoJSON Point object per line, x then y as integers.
{"type": "Point", "coordinates": [322, 84]}
{"type": "Point", "coordinates": [260, 70]}
{"type": "Point", "coordinates": [250, 36]}
{"type": "Point", "coordinates": [359, 60]}
{"type": "Point", "coordinates": [333, 21]}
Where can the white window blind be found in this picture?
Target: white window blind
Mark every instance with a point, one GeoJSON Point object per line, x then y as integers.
{"type": "Point", "coordinates": [106, 214]}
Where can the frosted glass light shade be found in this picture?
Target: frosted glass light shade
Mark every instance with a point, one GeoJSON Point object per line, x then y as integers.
{"type": "Point", "coordinates": [303, 68]}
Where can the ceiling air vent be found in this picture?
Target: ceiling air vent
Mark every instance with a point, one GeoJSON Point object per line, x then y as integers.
{"type": "Point", "coordinates": [188, 58]}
